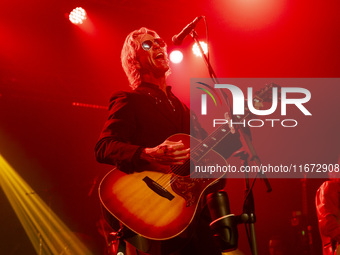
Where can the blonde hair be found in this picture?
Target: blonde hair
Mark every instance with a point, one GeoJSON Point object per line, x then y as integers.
{"type": "Point", "coordinates": [129, 56]}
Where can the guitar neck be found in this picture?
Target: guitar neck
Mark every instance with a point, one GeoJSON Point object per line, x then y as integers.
{"type": "Point", "coordinates": [212, 140]}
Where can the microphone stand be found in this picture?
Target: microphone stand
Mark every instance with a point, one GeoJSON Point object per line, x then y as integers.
{"type": "Point", "coordinates": [248, 215]}
{"type": "Point", "coordinates": [249, 205]}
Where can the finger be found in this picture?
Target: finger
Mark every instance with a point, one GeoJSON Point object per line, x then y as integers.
{"type": "Point", "coordinates": [180, 152]}
{"type": "Point", "coordinates": [172, 157]}
{"type": "Point", "coordinates": [168, 145]}
{"type": "Point", "coordinates": [175, 147]}
{"type": "Point", "coordinates": [173, 143]}
{"type": "Point", "coordinates": [164, 151]}
{"type": "Point", "coordinates": [179, 157]}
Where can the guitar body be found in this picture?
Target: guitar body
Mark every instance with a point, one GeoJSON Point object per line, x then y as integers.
{"type": "Point", "coordinates": [156, 205]}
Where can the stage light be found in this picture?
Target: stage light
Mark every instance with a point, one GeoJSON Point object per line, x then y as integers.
{"type": "Point", "coordinates": [196, 50]}
{"type": "Point", "coordinates": [251, 14]}
{"type": "Point", "coordinates": [77, 15]}
{"type": "Point", "coordinates": [176, 56]}
{"type": "Point", "coordinates": [47, 233]}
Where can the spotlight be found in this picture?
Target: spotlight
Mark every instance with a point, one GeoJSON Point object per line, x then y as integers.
{"type": "Point", "coordinates": [46, 231]}
{"type": "Point", "coordinates": [77, 15]}
{"type": "Point", "coordinates": [176, 56]}
{"type": "Point", "coordinates": [196, 50]}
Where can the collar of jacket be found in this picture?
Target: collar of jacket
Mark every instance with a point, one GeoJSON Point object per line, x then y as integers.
{"type": "Point", "coordinates": [153, 87]}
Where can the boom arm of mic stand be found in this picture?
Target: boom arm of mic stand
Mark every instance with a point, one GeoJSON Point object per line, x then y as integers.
{"type": "Point", "coordinates": [210, 69]}
{"type": "Point", "coordinates": [206, 60]}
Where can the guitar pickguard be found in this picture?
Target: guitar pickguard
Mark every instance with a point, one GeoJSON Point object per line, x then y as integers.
{"type": "Point", "coordinates": [188, 188]}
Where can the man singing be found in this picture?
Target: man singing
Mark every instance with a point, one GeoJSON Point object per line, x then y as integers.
{"type": "Point", "coordinates": [139, 123]}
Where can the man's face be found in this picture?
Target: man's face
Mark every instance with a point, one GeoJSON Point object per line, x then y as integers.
{"type": "Point", "coordinates": [155, 59]}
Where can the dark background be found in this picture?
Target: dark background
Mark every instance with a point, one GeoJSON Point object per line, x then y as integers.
{"type": "Point", "coordinates": [46, 63]}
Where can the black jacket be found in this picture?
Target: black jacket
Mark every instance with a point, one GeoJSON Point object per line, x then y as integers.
{"type": "Point", "coordinates": [142, 118]}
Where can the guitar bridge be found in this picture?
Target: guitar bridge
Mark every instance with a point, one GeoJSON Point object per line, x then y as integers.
{"type": "Point", "coordinates": [157, 188]}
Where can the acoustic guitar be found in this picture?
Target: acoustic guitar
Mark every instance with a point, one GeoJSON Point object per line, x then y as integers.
{"type": "Point", "coordinates": [159, 202]}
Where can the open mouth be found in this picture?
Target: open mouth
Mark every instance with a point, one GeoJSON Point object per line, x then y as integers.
{"type": "Point", "coordinates": [160, 56]}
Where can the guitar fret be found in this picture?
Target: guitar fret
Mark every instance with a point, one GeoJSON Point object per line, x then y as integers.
{"type": "Point", "coordinates": [210, 142]}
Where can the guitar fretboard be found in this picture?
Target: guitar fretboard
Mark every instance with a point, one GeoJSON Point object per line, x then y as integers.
{"type": "Point", "coordinates": [210, 142]}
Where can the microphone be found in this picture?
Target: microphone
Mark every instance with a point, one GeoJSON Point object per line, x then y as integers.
{"type": "Point", "coordinates": [178, 39]}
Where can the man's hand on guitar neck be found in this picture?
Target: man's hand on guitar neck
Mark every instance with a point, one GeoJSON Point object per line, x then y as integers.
{"type": "Point", "coordinates": [167, 153]}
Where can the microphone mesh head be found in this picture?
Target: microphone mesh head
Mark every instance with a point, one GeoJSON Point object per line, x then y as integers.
{"type": "Point", "coordinates": [175, 40]}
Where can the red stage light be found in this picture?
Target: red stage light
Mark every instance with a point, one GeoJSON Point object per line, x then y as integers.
{"type": "Point", "coordinates": [196, 50]}
{"type": "Point", "coordinates": [77, 15]}
{"type": "Point", "coordinates": [251, 14]}
{"type": "Point", "coordinates": [176, 56]}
